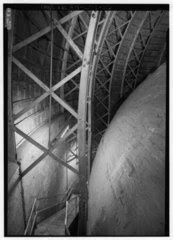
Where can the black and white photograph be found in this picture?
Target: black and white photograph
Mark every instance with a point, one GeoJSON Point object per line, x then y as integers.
{"type": "Point", "coordinates": [86, 120]}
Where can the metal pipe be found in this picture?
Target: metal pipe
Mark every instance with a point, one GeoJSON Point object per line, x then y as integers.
{"type": "Point", "coordinates": [30, 216]}
{"type": "Point", "coordinates": [33, 223]}
{"type": "Point", "coordinates": [50, 86]}
{"type": "Point", "coordinates": [66, 212]}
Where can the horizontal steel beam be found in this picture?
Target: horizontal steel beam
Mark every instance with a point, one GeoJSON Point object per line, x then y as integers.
{"type": "Point", "coordinates": [44, 31]}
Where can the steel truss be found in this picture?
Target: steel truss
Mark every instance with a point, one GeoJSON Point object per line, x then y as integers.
{"type": "Point", "coordinates": [137, 51]}
{"type": "Point", "coordinates": [110, 39]}
{"type": "Point", "coordinates": [93, 44]}
{"type": "Point", "coordinates": [113, 62]}
{"type": "Point", "coordinates": [79, 39]}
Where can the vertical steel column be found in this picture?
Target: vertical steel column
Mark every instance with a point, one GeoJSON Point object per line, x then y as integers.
{"type": "Point", "coordinates": [10, 17]}
{"type": "Point", "coordinates": [50, 85]}
{"type": "Point", "coordinates": [65, 56]}
{"type": "Point", "coordinates": [82, 113]}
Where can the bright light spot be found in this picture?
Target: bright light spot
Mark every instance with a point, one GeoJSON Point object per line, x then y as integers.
{"type": "Point", "coordinates": [64, 132]}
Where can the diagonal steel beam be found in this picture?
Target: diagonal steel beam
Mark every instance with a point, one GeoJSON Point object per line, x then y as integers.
{"type": "Point", "coordinates": [42, 85]}
{"type": "Point", "coordinates": [71, 159]}
{"type": "Point", "coordinates": [102, 120]}
{"type": "Point", "coordinates": [100, 102]}
{"type": "Point", "coordinates": [45, 150]}
{"type": "Point", "coordinates": [111, 52]}
{"type": "Point", "coordinates": [69, 39]}
{"type": "Point", "coordinates": [34, 164]}
{"type": "Point", "coordinates": [64, 70]}
{"type": "Point", "coordinates": [44, 31]}
{"type": "Point", "coordinates": [99, 117]}
{"type": "Point", "coordinates": [30, 74]}
{"type": "Point", "coordinates": [131, 70]}
{"type": "Point", "coordinates": [72, 90]}
{"type": "Point", "coordinates": [71, 131]}
{"type": "Point", "coordinates": [73, 153]}
{"type": "Point", "coordinates": [155, 24]}
{"type": "Point", "coordinates": [33, 104]}
{"type": "Point", "coordinates": [83, 21]}
{"type": "Point", "coordinates": [105, 67]}
{"type": "Point", "coordinates": [102, 84]}
{"type": "Point", "coordinates": [65, 105]}
{"type": "Point", "coordinates": [67, 78]}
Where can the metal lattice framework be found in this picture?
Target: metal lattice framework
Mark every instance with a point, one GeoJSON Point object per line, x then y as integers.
{"type": "Point", "coordinates": [118, 61]}
{"type": "Point", "coordinates": [113, 32]}
{"type": "Point", "coordinates": [100, 59]}
{"type": "Point", "coordinates": [135, 56]}
{"type": "Point", "coordinates": [75, 72]}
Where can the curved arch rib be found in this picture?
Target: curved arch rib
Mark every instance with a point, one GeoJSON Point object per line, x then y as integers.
{"type": "Point", "coordinates": [82, 114]}
{"type": "Point", "coordinates": [125, 47]}
{"type": "Point", "coordinates": [148, 41]}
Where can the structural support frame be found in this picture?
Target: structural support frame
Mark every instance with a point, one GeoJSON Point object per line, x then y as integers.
{"type": "Point", "coordinates": [82, 126]}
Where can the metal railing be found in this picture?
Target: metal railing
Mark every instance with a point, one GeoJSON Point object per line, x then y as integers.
{"type": "Point", "coordinates": [31, 219]}
{"type": "Point", "coordinates": [38, 208]}
{"type": "Point", "coordinates": [72, 209]}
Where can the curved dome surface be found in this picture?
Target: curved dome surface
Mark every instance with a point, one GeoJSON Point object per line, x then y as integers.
{"type": "Point", "coordinates": [127, 183]}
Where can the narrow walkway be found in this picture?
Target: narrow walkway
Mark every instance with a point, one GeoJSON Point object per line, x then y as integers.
{"type": "Point", "coordinates": [54, 225]}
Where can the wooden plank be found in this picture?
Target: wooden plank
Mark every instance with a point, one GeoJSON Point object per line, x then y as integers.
{"type": "Point", "coordinates": [65, 105]}
{"type": "Point", "coordinates": [30, 74]}
{"type": "Point", "coordinates": [43, 31]}
{"type": "Point", "coordinates": [68, 38]}
{"type": "Point", "coordinates": [67, 78]}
